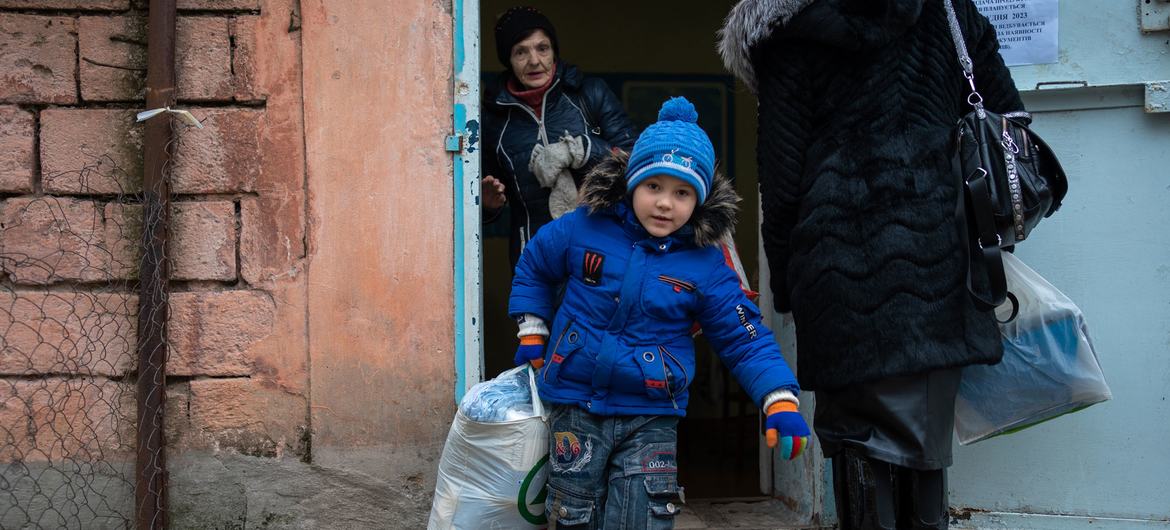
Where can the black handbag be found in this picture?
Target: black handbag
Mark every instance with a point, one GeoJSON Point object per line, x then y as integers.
{"type": "Point", "coordinates": [1011, 180]}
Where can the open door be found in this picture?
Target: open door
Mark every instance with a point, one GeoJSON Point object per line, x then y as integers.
{"type": "Point", "coordinates": [644, 61]}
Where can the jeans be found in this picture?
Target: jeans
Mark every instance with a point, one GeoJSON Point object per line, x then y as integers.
{"type": "Point", "coordinates": [612, 472]}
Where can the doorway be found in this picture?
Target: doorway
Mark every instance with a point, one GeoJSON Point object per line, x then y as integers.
{"type": "Point", "coordinates": [645, 60]}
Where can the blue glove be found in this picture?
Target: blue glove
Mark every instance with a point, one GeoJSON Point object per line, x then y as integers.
{"type": "Point", "coordinates": [787, 428]}
{"type": "Point", "coordinates": [531, 350]}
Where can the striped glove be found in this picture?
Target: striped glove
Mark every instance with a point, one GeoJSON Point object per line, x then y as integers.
{"type": "Point", "coordinates": [531, 350]}
{"type": "Point", "coordinates": [787, 428]}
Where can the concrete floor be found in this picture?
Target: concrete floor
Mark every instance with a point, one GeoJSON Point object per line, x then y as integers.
{"type": "Point", "coordinates": [760, 514]}
{"type": "Point", "coordinates": [748, 514]}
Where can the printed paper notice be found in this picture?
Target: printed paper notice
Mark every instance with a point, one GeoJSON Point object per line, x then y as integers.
{"type": "Point", "coordinates": [1027, 29]}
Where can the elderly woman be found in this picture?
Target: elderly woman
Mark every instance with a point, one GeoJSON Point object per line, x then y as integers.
{"type": "Point", "coordinates": [544, 126]}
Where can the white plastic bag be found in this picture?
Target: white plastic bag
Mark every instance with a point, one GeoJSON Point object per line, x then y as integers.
{"type": "Point", "coordinates": [1049, 367]}
{"type": "Point", "coordinates": [494, 465]}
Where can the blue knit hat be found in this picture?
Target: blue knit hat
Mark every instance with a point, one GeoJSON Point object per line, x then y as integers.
{"type": "Point", "coordinates": [674, 146]}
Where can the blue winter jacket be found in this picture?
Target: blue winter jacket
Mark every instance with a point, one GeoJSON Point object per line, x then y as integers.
{"type": "Point", "coordinates": [620, 342]}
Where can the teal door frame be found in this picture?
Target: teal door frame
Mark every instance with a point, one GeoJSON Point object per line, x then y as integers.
{"type": "Point", "coordinates": [464, 143]}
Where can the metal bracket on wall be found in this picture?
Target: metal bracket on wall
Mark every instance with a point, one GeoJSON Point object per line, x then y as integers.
{"type": "Point", "coordinates": [453, 143]}
{"type": "Point", "coordinates": [1155, 15]}
{"type": "Point", "coordinates": [1158, 96]}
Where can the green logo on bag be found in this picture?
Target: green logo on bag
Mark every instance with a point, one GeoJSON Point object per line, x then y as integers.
{"type": "Point", "coordinates": [522, 497]}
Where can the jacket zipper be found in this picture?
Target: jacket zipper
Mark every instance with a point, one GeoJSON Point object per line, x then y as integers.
{"type": "Point", "coordinates": [675, 282]}
{"type": "Point", "coordinates": [543, 100]}
{"type": "Point", "coordinates": [544, 139]}
{"type": "Point", "coordinates": [556, 347]}
{"type": "Point", "coordinates": [527, 218]}
{"type": "Point", "coordinates": [682, 367]}
{"type": "Point", "coordinates": [539, 121]}
{"type": "Point", "coordinates": [662, 354]}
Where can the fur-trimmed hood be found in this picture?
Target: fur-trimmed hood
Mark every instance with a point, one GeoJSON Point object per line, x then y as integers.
{"type": "Point", "coordinates": [847, 24]}
{"type": "Point", "coordinates": [604, 188]}
{"type": "Point", "coordinates": [748, 24]}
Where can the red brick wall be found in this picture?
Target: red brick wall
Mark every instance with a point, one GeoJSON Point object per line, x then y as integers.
{"type": "Point", "coordinates": [71, 79]}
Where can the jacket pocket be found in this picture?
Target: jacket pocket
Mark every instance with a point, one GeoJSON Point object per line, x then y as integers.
{"type": "Point", "coordinates": [570, 511]}
{"type": "Point", "coordinates": [669, 298]}
{"type": "Point", "coordinates": [562, 359]}
{"type": "Point", "coordinates": [664, 377]}
{"type": "Point", "coordinates": [663, 494]}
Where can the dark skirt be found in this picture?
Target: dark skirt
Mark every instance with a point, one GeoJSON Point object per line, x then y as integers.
{"type": "Point", "coordinates": [907, 421]}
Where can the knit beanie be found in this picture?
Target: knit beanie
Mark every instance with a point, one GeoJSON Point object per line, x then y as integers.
{"type": "Point", "coordinates": [514, 23]}
{"type": "Point", "coordinates": [674, 146]}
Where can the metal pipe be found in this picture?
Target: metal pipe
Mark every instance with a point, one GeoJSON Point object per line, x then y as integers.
{"type": "Point", "coordinates": [153, 309]}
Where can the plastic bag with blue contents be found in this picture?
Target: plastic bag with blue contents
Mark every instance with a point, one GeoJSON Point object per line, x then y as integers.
{"type": "Point", "coordinates": [495, 462]}
{"type": "Point", "coordinates": [505, 398]}
{"type": "Point", "coordinates": [1049, 366]}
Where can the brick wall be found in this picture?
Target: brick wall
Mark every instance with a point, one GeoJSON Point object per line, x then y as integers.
{"type": "Point", "coordinates": [71, 79]}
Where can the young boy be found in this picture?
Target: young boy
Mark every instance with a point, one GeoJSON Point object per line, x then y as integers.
{"type": "Point", "coordinates": [642, 262]}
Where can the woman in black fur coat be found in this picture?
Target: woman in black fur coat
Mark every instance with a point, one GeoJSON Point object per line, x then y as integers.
{"type": "Point", "coordinates": [858, 101]}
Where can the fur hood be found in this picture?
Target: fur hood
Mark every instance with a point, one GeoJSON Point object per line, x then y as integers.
{"type": "Point", "coordinates": [748, 24]}
{"type": "Point", "coordinates": [846, 24]}
{"type": "Point", "coordinates": [605, 188]}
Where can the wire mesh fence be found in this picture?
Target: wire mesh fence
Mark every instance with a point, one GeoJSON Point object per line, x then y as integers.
{"type": "Point", "coordinates": [70, 256]}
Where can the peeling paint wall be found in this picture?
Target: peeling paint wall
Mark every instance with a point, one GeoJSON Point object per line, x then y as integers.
{"type": "Point", "coordinates": [311, 369]}
{"type": "Point", "coordinates": [377, 109]}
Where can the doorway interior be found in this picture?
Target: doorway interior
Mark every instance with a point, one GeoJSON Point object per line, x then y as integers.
{"type": "Point", "coordinates": [645, 57]}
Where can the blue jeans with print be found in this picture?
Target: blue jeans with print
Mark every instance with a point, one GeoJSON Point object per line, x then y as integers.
{"type": "Point", "coordinates": [611, 472]}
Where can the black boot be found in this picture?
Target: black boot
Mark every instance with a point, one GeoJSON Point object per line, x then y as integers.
{"type": "Point", "coordinates": [863, 489]}
{"type": "Point", "coordinates": [924, 499]}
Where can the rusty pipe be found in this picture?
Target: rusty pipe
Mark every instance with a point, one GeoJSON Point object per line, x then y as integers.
{"type": "Point", "coordinates": [153, 309]}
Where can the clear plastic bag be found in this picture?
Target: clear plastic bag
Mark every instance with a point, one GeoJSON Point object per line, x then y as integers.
{"type": "Point", "coordinates": [508, 397]}
{"type": "Point", "coordinates": [494, 466]}
{"type": "Point", "coordinates": [1049, 367]}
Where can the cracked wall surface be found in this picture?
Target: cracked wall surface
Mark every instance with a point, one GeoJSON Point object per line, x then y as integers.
{"type": "Point", "coordinates": [310, 373]}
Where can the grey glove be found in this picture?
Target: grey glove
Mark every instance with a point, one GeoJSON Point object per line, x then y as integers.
{"type": "Point", "coordinates": [548, 161]}
{"type": "Point", "coordinates": [563, 197]}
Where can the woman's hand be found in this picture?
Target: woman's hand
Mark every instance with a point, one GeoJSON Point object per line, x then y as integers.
{"type": "Point", "coordinates": [492, 193]}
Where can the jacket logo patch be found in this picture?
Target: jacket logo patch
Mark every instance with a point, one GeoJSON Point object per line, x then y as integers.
{"type": "Point", "coordinates": [592, 267]}
{"type": "Point", "coordinates": [678, 285]}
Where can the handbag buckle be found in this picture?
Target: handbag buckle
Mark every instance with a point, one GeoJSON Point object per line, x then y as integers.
{"type": "Point", "coordinates": [998, 242]}
{"type": "Point", "coordinates": [981, 173]}
{"type": "Point", "coordinates": [1008, 143]}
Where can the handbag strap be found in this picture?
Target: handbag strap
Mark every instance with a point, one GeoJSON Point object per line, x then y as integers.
{"type": "Point", "coordinates": [974, 99]}
{"type": "Point", "coordinates": [987, 241]}
{"type": "Point", "coordinates": [976, 208]}
{"type": "Point", "coordinates": [977, 190]}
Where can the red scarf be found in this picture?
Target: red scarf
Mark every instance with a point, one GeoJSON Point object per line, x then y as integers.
{"type": "Point", "coordinates": [532, 97]}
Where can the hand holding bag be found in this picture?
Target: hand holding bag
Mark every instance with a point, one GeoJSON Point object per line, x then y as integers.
{"type": "Point", "coordinates": [1011, 179]}
{"type": "Point", "coordinates": [1049, 367]}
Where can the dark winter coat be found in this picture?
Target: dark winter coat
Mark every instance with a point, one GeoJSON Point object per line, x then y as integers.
{"type": "Point", "coordinates": [582, 106]}
{"type": "Point", "coordinates": [858, 101]}
{"type": "Point", "coordinates": [621, 341]}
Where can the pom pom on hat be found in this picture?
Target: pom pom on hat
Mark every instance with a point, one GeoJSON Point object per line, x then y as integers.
{"type": "Point", "coordinates": [678, 109]}
{"type": "Point", "coordinates": [676, 146]}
